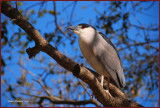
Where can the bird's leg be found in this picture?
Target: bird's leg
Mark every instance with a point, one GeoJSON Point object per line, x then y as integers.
{"type": "Point", "coordinates": [107, 89]}
{"type": "Point", "coordinates": [102, 78]}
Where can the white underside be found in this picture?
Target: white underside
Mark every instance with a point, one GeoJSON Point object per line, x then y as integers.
{"type": "Point", "coordinates": [87, 51]}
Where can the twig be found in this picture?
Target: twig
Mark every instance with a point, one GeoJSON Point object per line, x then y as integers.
{"type": "Point", "coordinates": [85, 88]}
{"type": "Point", "coordinates": [73, 10]}
{"type": "Point", "coordinates": [150, 5]}
{"type": "Point", "coordinates": [45, 89]}
{"type": "Point", "coordinates": [137, 44]}
{"type": "Point", "coordinates": [143, 28]}
{"type": "Point", "coordinates": [31, 6]}
{"type": "Point", "coordinates": [55, 16]}
{"type": "Point", "coordinates": [67, 6]}
{"type": "Point", "coordinates": [16, 5]}
{"type": "Point", "coordinates": [97, 103]}
{"type": "Point", "coordinates": [57, 100]}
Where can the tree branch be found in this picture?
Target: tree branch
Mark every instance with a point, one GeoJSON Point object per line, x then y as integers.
{"type": "Point", "coordinates": [57, 100]}
{"type": "Point", "coordinates": [143, 28]}
{"type": "Point", "coordinates": [139, 44]}
{"type": "Point", "coordinates": [55, 16]}
{"type": "Point", "coordinates": [80, 72]}
{"type": "Point", "coordinates": [60, 101]}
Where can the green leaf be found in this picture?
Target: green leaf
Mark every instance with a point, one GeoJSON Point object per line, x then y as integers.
{"type": "Point", "coordinates": [20, 3]}
{"type": "Point", "coordinates": [45, 11]}
{"type": "Point", "coordinates": [34, 21]}
{"type": "Point", "coordinates": [52, 12]}
{"type": "Point", "coordinates": [20, 11]}
{"type": "Point", "coordinates": [83, 7]}
{"type": "Point", "coordinates": [4, 43]}
{"type": "Point", "coordinates": [23, 33]}
{"type": "Point", "coordinates": [32, 11]}
{"type": "Point", "coordinates": [51, 64]}
{"type": "Point", "coordinates": [40, 14]}
{"type": "Point", "coordinates": [22, 52]}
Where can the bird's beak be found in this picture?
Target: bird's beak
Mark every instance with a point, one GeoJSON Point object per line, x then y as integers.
{"type": "Point", "coordinates": [74, 29]}
{"type": "Point", "coordinates": [71, 27]}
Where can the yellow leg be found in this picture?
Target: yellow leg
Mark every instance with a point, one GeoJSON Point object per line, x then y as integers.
{"type": "Point", "coordinates": [102, 78]}
{"type": "Point", "coordinates": [107, 89]}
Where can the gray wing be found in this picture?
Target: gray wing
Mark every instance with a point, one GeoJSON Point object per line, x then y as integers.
{"type": "Point", "coordinates": [108, 56]}
{"type": "Point", "coordinates": [108, 41]}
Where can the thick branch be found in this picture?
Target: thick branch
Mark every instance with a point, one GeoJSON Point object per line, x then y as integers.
{"type": "Point", "coordinates": [17, 18]}
{"type": "Point", "coordinates": [83, 73]}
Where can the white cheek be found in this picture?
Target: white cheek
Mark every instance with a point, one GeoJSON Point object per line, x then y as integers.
{"type": "Point", "coordinates": [82, 31]}
{"type": "Point", "coordinates": [77, 32]}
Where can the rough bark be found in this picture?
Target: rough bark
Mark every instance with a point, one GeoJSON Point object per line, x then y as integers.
{"type": "Point", "coordinates": [88, 76]}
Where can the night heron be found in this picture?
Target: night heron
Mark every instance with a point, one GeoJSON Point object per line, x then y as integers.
{"type": "Point", "coordinates": [100, 54]}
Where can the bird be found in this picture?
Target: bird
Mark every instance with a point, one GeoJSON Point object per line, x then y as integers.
{"type": "Point", "coordinates": [101, 54]}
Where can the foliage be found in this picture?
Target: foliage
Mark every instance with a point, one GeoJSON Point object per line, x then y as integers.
{"type": "Point", "coordinates": [29, 79]}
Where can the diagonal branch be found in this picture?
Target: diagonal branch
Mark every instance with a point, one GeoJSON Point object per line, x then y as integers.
{"type": "Point", "coordinates": [78, 71]}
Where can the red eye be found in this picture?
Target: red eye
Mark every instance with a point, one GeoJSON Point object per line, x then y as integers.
{"type": "Point", "coordinates": [83, 27]}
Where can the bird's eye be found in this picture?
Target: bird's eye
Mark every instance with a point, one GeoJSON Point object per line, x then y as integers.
{"type": "Point", "coordinates": [83, 27]}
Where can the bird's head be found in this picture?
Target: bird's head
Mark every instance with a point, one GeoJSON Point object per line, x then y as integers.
{"type": "Point", "coordinates": [81, 29]}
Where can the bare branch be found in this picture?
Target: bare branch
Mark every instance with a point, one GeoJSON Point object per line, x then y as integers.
{"type": "Point", "coordinates": [55, 16]}
{"type": "Point", "coordinates": [138, 44]}
{"type": "Point", "coordinates": [85, 88]}
{"type": "Point", "coordinates": [75, 2]}
{"type": "Point", "coordinates": [31, 6]}
{"type": "Point", "coordinates": [68, 6]}
{"type": "Point", "coordinates": [74, 102]}
{"type": "Point", "coordinates": [150, 5]}
{"type": "Point", "coordinates": [45, 89]}
{"type": "Point", "coordinates": [57, 100]}
{"type": "Point", "coordinates": [16, 5]}
{"type": "Point", "coordinates": [143, 28]}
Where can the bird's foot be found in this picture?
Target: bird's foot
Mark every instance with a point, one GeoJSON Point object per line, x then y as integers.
{"type": "Point", "coordinates": [107, 92]}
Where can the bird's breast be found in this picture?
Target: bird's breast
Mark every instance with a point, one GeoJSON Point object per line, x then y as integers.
{"type": "Point", "coordinates": [87, 51]}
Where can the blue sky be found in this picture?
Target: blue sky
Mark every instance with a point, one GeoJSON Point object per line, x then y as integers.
{"type": "Point", "coordinates": [81, 16]}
